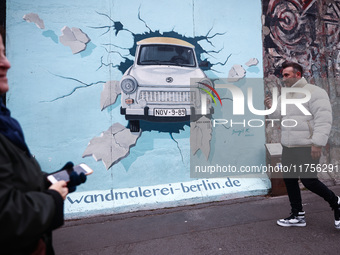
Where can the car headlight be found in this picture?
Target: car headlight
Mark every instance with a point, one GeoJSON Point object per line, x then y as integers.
{"type": "Point", "coordinates": [206, 81]}
{"type": "Point", "coordinates": [128, 85]}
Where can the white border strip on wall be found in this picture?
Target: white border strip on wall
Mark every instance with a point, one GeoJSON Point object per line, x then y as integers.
{"type": "Point", "coordinates": [90, 203]}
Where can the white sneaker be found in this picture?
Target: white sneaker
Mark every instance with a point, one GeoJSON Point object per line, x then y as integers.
{"type": "Point", "coordinates": [337, 224]}
{"type": "Point", "coordinates": [337, 215]}
{"type": "Point", "coordinates": [294, 221]}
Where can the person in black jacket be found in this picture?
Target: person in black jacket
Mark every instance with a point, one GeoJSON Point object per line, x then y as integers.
{"type": "Point", "coordinates": [30, 207]}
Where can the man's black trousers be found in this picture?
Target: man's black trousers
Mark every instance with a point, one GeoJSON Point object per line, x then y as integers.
{"type": "Point", "coordinates": [297, 163]}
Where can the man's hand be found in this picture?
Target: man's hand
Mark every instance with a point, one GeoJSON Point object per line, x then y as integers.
{"type": "Point", "coordinates": [61, 188]}
{"type": "Point", "coordinates": [316, 152]}
{"type": "Point", "coordinates": [268, 102]}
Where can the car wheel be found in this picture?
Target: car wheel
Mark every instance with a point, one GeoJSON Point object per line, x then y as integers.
{"type": "Point", "coordinates": [134, 125]}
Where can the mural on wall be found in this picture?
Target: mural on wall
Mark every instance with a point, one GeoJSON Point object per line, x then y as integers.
{"type": "Point", "coordinates": [77, 63]}
{"type": "Point", "coordinates": [307, 32]}
{"type": "Point", "coordinates": [158, 88]}
{"type": "Point", "coordinates": [115, 143]}
{"type": "Point", "coordinates": [169, 63]}
{"type": "Point", "coordinates": [164, 66]}
{"type": "Point", "coordinates": [68, 59]}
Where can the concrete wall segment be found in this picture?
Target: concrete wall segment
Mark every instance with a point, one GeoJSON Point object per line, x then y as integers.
{"type": "Point", "coordinates": [58, 96]}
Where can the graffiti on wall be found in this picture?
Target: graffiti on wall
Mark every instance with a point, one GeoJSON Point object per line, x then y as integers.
{"type": "Point", "coordinates": [292, 31]}
{"type": "Point", "coordinates": [307, 32]}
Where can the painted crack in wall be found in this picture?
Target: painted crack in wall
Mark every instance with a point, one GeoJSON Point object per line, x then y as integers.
{"type": "Point", "coordinates": [75, 38]}
{"type": "Point", "coordinates": [117, 27]}
{"type": "Point", "coordinates": [74, 89]}
{"type": "Point", "coordinates": [113, 145]}
{"type": "Point", "coordinates": [33, 17]}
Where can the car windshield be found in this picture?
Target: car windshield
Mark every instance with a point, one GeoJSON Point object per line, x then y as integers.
{"type": "Point", "coordinates": [166, 55]}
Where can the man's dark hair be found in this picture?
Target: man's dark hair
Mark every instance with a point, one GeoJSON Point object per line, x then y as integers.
{"type": "Point", "coordinates": [296, 66]}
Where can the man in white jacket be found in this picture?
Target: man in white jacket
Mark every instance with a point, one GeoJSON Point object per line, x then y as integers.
{"type": "Point", "coordinates": [302, 143]}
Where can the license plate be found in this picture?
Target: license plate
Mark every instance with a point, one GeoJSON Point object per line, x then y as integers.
{"type": "Point", "coordinates": [170, 112]}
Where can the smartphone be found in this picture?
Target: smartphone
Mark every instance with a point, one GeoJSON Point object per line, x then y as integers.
{"type": "Point", "coordinates": [65, 174]}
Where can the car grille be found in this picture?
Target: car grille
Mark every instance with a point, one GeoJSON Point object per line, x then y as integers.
{"type": "Point", "coordinates": [168, 96]}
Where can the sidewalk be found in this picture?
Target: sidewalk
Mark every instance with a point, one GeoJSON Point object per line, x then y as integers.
{"type": "Point", "coordinates": [239, 226]}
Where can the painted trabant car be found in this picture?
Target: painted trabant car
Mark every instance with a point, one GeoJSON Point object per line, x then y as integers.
{"type": "Point", "coordinates": [163, 83]}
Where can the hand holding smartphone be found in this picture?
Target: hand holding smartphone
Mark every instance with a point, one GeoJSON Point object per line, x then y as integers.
{"type": "Point", "coordinates": [65, 174]}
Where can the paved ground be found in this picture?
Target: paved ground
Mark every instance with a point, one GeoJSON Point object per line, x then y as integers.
{"type": "Point", "coordinates": [240, 226]}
